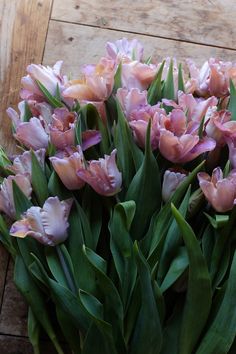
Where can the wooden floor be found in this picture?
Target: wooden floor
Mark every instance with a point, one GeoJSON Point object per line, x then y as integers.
{"type": "Point", "coordinates": [76, 32]}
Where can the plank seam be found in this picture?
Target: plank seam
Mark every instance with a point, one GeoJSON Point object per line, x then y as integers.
{"type": "Point", "coordinates": [49, 19]}
{"type": "Point", "coordinates": [144, 34]}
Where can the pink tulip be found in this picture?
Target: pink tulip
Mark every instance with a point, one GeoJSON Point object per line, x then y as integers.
{"type": "Point", "coordinates": [131, 100]}
{"type": "Point", "coordinates": [232, 151]}
{"type": "Point", "coordinates": [103, 175]}
{"type": "Point", "coordinates": [51, 78]}
{"type": "Point", "coordinates": [171, 181]}
{"type": "Point", "coordinates": [22, 164]}
{"type": "Point", "coordinates": [139, 129]}
{"type": "Point", "coordinates": [41, 110]}
{"type": "Point", "coordinates": [90, 138]}
{"type": "Point", "coordinates": [96, 84]}
{"type": "Point", "coordinates": [137, 75]}
{"type": "Point", "coordinates": [31, 134]}
{"type": "Point", "coordinates": [195, 108]}
{"type": "Point", "coordinates": [125, 49]}
{"type": "Point", "coordinates": [179, 141]}
{"type": "Point", "coordinates": [6, 193]}
{"type": "Point", "coordinates": [66, 164]}
{"type": "Point", "coordinates": [48, 225]}
{"type": "Point", "coordinates": [220, 192]}
{"type": "Point", "coordinates": [212, 79]}
{"type": "Point", "coordinates": [62, 128]}
{"type": "Point", "coordinates": [220, 127]}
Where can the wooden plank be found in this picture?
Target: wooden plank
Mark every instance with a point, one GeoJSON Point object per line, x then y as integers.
{"type": "Point", "coordinates": [79, 44]}
{"type": "Point", "coordinates": [23, 31]}
{"type": "Point", "coordinates": [19, 345]}
{"type": "Point", "coordinates": [3, 269]}
{"type": "Point", "coordinates": [13, 317]}
{"type": "Point", "coordinates": [15, 345]}
{"type": "Point", "coordinates": [209, 22]}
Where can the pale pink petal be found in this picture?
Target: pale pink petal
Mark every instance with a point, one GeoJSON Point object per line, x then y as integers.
{"type": "Point", "coordinates": [201, 108]}
{"type": "Point", "coordinates": [124, 48]}
{"type": "Point", "coordinates": [32, 134]}
{"type": "Point", "coordinates": [225, 196]}
{"type": "Point", "coordinates": [6, 193]}
{"type": "Point", "coordinates": [23, 163]}
{"type": "Point", "coordinates": [139, 129]}
{"type": "Point", "coordinates": [137, 75]}
{"type": "Point", "coordinates": [66, 168]}
{"type": "Point", "coordinates": [20, 228]}
{"type": "Point", "coordinates": [232, 151]}
{"type": "Point", "coordinates": [204, 145]}
{"type": "Point", "coordinates": [103, 175]}
{"type": "Point", "coordinates": [131, 100]}
{"type": "Point", "coordinates": [79, 91]}
{"type": "Point", "coordinates": [217, 175]}
{"type": "Point", "coordinates": [90, 138]}
{"type": "Point", "coordinates": [218, 85]}
{"type": "Point", "coordinates": [62, 139]}
{"type": "Point", "coordinates": [171, 181]}
{"type": "Point", "coordinates": [54, 218]}
{"type": "Point", "coordinates": [219, 191]}
{"type": "Point", "coordinates": [177, 122]}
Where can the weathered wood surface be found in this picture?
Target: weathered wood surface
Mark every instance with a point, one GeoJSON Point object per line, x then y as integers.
{"type": "Point", "coordinates": [210, 22]}
{"type": "Point", "coordinates": [3, 269]}
{"type": "Point", "coordinates": [23, 28]}
{"type": "Point", "coordinates": [79, 44]}
{"type": "Point", "coordinates": [77, 33]}
{"type": "Point", "coordinates": [13, 316]}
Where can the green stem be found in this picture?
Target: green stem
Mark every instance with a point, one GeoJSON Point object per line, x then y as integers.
{"type": "Point", "coordinates": [57, 345]}
{"type": "Point", "coordinates": [36, 349]}
{"type": "Point", "coordinates": [66, 270]}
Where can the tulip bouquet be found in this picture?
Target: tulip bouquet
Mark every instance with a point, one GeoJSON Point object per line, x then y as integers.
{"type": "Point", "coordinates": [118, 207]}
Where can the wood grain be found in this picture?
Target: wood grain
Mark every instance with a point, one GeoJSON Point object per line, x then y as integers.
{"type": "Point", "coordinates": [13, 316]}
{"type": "Point", "coordinates": [15, 345]}
{"type": "Point", "coordinates": [19, 345]}
{"type": "Point", "coordinates": [3, 269]}
{"type": "Point", "coordinates": [23, 31]}
{"type": "Point", "coordinates": [79, 44]}
{"type": "Point", "coordinates": [209, 22]}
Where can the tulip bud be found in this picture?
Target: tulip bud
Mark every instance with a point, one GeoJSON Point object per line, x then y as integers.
{"type": "Point", "coordinates": [171, 181]}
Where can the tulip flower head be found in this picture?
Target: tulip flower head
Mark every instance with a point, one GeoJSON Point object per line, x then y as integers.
{"type": "Point", "coordinates": [124, 49]}
{"type": "Point", "coordinates": [220, 192]}
{"type": "Point", "coordinates": [103, 175]}
{"type": "Point", "coordinates": [171, 181]}
{"type": "Point", "coordinates": [7, 204]}
{"type": "Point", "coordinates": [137, 75]}
{"type": "Point", "coordinates": [131, 100]}
{"type": "Point", "coordinates": [179, 141]}
{"type": "Point", "coordinates": [96, 84]}
{"type": "Point", "coordinates": [220, 127]}
{"type": "Point", "coordinates": [66, 164]}
{"type": "Point", "coordinates": [212, 79]}
{"type": "Point", "coordinates": [194, 108]}
{"type": "Point", "coordinates": [22, 164]}
{"type": "Point", "coordinates": [51, 78]}
{"type": "Point", "coordinates": [62, 128]}
{"type": "Point", "coordinates": [31, 134]}
{"type": "Point", "coordinates": [48, 225]}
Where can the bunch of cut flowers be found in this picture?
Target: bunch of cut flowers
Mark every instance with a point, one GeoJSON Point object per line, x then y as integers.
{"type": "Point", "coordinates": [118, 206]}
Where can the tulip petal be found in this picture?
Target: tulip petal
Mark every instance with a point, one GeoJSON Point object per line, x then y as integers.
{"type": "Point", "coordinates": [54, 219]}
